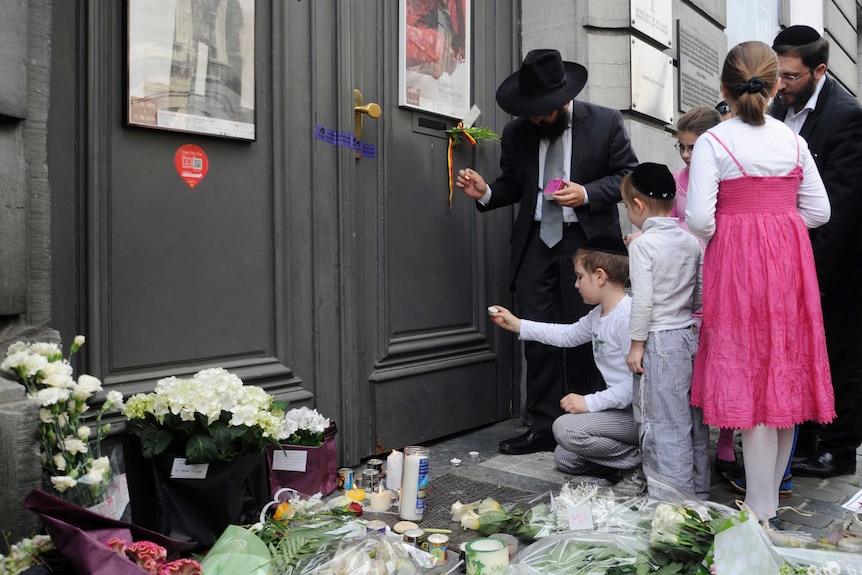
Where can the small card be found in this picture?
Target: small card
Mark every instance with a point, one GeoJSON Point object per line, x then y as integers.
{"type": "Point", "coordinates": [553, 186]}
{"type": "Point", "coordinates": [580, 517]}
{"type": "Point", "coordinates": [855, 503]}
{"type": "Point", "coordinates": [290, 460]}
{"type": "Point", "coordinates": [471, 117]}
{"type": "Point", "coordinates": [182, 470]}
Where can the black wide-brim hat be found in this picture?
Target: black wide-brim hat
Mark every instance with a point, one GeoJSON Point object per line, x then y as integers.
{"type": "Point", "coordinates": [543, 84]}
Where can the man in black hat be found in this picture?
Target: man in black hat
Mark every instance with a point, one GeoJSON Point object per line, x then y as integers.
{"type": "Point", "coordinates": [583, 148]}
{"type": "Point", "coordinates": [830, 119]}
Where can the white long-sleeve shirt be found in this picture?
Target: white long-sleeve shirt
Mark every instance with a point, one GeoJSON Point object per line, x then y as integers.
{"type": "Point", "coordinates": [768, 150]}
{"type": "Point", "coordinates": [665, 269]}
{"type": "Point", "coordinates": [611, 345]}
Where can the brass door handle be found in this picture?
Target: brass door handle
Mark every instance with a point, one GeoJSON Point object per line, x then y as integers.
{"type": "Point", "coordinates": [372, 109]}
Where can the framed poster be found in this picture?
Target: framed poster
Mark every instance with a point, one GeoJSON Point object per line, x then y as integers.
{"type": "Point", "coordinates": [190, 66]}
{"type": "Point", "coordinates": [434, 56]}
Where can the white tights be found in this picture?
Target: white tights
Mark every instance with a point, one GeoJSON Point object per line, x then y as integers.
{"type": "Point", "coordinates": [765, 450]}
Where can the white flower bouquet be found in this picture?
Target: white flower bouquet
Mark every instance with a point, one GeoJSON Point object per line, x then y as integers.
{"type": "Point", "coordinates": [303, 426]}
{"type": "Point", "coordinates": [70, 449]}
{"type": "Point", "coordinates": [210, 417]}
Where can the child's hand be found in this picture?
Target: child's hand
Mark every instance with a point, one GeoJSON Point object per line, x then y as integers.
{"type": "Point", "coordinates": [636, 356]}
{"type": "Point", "coordinates": [574, 403]}
{"type": "Point", "coordinates": [504, 318]}
{"type": "Point", "coordinates": [631, 237]}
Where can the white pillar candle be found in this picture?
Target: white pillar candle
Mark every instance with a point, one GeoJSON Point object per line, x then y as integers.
{"type": "Point", "coordinates": [414, 482]}
{"type": "Point", "coordinates": [394, 465]}
{"type": "Point", "coordinates": [380, 500]}
{"type": "Point", "coordinates": [486, 556]}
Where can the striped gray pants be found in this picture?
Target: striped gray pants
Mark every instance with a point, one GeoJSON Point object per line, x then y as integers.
{"type": "Point", "coordinates": [585, 440]}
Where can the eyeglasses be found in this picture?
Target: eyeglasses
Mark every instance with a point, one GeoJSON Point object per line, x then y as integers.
{"type": "Point", "coordinates": [794, 77]}
{"type": "Point", "coordinates": [682, 148]}
{"type": "Point", "coordinates": [722, 109]}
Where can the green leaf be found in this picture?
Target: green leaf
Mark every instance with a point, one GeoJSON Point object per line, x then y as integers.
{"type": "Point", "coordinates": [154, 441]}
{"type": "Point", "coordinates": [201, 449]}
{"type": "Point", "coordinates": [224, 435]}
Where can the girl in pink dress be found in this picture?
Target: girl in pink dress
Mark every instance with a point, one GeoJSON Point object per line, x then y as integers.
{"type": "Point", "coordinates": [761, 364]}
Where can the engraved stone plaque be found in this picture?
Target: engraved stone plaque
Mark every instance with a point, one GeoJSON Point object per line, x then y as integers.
{"type": "Point", "coordinates": [700, 60]}
{"type": "Point", "coordinates": [652, 81]}
{"type": "Point", "coordinates": [654, 18]}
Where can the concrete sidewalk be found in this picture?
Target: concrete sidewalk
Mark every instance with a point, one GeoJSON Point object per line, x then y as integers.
{"type": "Point", "coordinates": [814, 507]}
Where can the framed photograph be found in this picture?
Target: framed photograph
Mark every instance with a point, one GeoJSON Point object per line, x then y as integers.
{"type": "Point", "coordinates": [191, 66]}
{"type": "Point", "coordinates": [434, 56]}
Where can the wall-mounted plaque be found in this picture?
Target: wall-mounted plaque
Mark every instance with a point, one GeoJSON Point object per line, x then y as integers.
{"type": "Point", "coordinates": [700, 59]}
{"type": "Point", "coordinates": [652, 81]}
{"type": "Point", "coordinates": [654, 18]}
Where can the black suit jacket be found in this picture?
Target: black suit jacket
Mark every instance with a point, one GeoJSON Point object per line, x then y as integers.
{"type": "Point", "coordinates": [601, 156]}
{"type": "Point", "coordinates": [833, 131]}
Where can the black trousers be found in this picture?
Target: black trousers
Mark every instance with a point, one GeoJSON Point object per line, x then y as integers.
{"type": "Point", "coordinates": [545, 291]}
{"type": "Point", "coordinates": [842, 319]}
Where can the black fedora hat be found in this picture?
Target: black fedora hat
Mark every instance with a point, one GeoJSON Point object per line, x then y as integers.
{"type": "Point", "coordinates": [543, 84]}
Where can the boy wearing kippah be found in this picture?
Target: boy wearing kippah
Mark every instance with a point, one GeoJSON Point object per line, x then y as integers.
{"type": "Point", "coordinates": [597, 435]}
{"type": "Point", "coordinates": [665, 268]}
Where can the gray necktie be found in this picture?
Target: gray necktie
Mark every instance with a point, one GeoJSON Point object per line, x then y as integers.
{"type": "Point", "coordinates": [551, 230]}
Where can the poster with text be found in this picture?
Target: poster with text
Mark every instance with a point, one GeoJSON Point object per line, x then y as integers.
{"type": "Point", "coordinates": [434, 56]}
{"type": "Point", "coordinates": [191, 66]}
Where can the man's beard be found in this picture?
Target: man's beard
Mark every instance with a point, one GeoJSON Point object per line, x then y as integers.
{"type": "Point", "coordinates": [798, 99]}
{"type": "Point", "coordinates": [555, 129]}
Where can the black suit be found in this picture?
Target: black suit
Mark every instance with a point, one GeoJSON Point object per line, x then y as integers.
{"type": "Point", "coordinates": [833, 131]}
{"type": "Point", "coordinates": [543, 278]}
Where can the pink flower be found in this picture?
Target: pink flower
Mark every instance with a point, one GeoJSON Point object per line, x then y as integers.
{"type": "Point", "coordinates": [117, 545]}
{"type": "Point", "coordinates": [181, 567]}
{"type": "Point", "coordinates": [148, 555]}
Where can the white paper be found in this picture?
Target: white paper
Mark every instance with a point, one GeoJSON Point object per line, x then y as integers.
{"type": "Point", "coordinates": [579, 516]}
{"type": "Point", "coordinates": [855, 503]}
{"type": "Point", "coordinates": [290, 460]}
{"type": "Point", "coordinates": [182, 470]}
{"type": "Point", "coordinates": [471, 116]}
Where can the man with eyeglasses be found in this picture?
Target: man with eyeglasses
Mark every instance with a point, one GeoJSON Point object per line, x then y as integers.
{"type": "Point", "coordinates": [816, 107]}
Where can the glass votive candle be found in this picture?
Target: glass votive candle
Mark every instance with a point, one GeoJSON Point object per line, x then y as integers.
{"type": "Point", "coordinates": [486, 556]}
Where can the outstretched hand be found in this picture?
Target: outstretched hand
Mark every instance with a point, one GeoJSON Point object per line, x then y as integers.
{"type": "Point", "coordinates": [471, 183]}
{"type": "Point", "coordinates": [505, 319]}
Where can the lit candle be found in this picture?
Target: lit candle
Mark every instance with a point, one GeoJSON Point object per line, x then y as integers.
{"type": "Point", "coordinates": [394, 463]}
{"type": "Point", "coordinates": [380, 500]}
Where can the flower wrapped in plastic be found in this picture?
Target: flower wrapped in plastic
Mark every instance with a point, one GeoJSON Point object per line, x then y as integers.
{"type": "Point", "coordinates": [70, 438]}
{"type": "Point", "coordinates": [528, 519]}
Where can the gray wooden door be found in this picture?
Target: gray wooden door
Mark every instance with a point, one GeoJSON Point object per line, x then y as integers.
{"type": "Point", "coordinates": [329, 280]}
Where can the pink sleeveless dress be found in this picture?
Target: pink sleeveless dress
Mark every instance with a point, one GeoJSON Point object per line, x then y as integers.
{"type": "Point", "coordinates": [762, 357]}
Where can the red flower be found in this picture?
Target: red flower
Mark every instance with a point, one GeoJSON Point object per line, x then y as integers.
{"type": "Point", "coordinates": [181, 567]}
{"type": "Point", "coordinates": [353, 508]}
{"type": "Point", "coordinates": [117, 545]}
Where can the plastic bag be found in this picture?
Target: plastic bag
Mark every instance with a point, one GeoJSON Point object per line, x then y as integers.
{"type": "Point", "coordinates": [238, 552]}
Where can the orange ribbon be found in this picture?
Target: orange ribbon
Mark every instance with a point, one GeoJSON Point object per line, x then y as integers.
{"type": "Point", "coordinates": [459, 128]}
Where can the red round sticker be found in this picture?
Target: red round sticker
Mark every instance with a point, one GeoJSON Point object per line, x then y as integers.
{"type": "Point", "coordinates": [191, 163]}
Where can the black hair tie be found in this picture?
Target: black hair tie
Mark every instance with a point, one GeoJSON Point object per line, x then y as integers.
{"type": "Point", "coordinates": [754, 85]}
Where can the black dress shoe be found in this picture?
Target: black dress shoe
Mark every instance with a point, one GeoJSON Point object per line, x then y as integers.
{"type": "Point", "coordinates": [823, 464]}
{"type": "Point", "coordinates": [529, 442]}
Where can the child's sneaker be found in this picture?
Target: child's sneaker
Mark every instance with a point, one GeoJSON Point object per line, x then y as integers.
{"type": "Point", "coordinates": [784, 491]}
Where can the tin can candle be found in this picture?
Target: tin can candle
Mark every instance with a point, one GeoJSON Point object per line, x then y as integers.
{"type": "Point", "coordinates": [345, 479]}
{"type": "Point", "coordinates": [415, 537]}
{"type": "Point", "coordinates": [437, 545]}
{"type": "Point", "coordinates": [375, 526]}
{"type": "Point", "coordinates": [414, 482]}
{"type": "Point", "coordinates": [376, 464]}
{"type": "Point", "coordinates": [370, 478]}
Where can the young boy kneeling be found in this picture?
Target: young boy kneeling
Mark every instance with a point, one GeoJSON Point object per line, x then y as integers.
{"type": "Point", "coordinates": [597, 436]}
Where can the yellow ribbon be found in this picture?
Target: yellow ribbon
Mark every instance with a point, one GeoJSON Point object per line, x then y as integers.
{"type": "Point", "coordinates": [460, 129]}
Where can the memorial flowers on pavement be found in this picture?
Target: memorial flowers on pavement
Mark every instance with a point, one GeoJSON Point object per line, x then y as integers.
{"type": "Point", "coordinates": [210, 417]}
{"type": "Point", "coordinates": [303, 426]}
{"type": "Point", "coordinates": [70, 448]}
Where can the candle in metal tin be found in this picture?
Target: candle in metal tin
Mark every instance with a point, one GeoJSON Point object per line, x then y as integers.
{"type": "Point", "coordinates": [370, 479]}
{"type": "Point", "coordinates": [376, 464]}
{"type": "Point", "coordinates": [375, 526]}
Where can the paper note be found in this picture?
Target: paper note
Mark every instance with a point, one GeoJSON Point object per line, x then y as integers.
{"type": "Point", "coordinates": [579, 517]}
{"type": "Point", "coordinates": [182, 470]}
{"type": "Point", "coordinates": [289, 460]}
